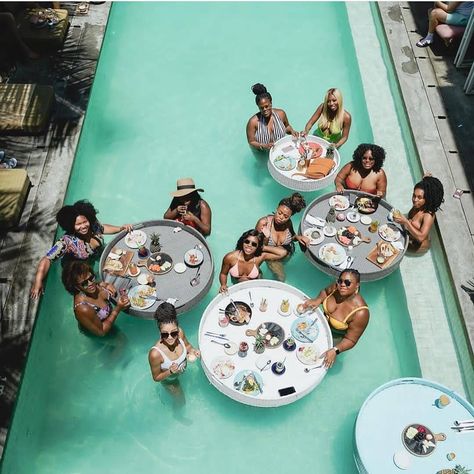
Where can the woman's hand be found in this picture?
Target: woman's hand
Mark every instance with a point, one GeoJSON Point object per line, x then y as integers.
{"type": "Point", "coordinates": [189, 216]}
{"type": "Point", "coordinates": [174, 368]}
{"type": "Point", "coordinates": [195, 352]}
{"type": "Point", "coordinates": [302, 240]}
{"type": "Point", "coordinates": [223, 289]}
{"type": "Point", "coordinates": [311, 303]}
{"type": "Point", "coordinates": [340, 188]}
{"type": "Point", "coordinates": [123, 302]}
{"type": "Point", "coordinates": [36, 290]}
{"type": "Point", "coordinates": [401, 219]}
{"type": "Point", "coordinates": [127, 227]}
{"type": "Point", "coordinates": [329, 357]}
{"type": "Point", "coordinates": [182, 209]}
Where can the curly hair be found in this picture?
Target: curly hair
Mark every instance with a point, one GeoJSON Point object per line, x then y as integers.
{"type": "Point", "coordinates": [378, 153]}
{"type": "Point", "coordinates": [67, 215]}
{"type": "Point", "coordinates": [261, 92]}
{"type": "Point", "coordinates": [165, 314]}
{"type": "Point", "coordinates": [251, 233]}
{"type": "Point", "coordinates": [352, 271]}
{"type": "Point", "coordinates": [295, 203]}
{"type": "Point", "coordinates": [433, 193]}
{"type": "Point", "coordinates": [72, 271]}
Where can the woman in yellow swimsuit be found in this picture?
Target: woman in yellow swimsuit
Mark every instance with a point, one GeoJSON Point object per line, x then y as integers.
{"type": "Point", "coordinates": [346, 311]}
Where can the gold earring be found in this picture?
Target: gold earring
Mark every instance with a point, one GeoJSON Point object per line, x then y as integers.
{"type": "Point", "coordinates": [357, 290]}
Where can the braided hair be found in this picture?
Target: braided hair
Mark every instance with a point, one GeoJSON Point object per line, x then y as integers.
{"type": "Point", "coordinates": [261, 92]}
{"type": "Point", "coordinates": [295, 203]}
{"type": "Point", "coordinates": [433, 193]}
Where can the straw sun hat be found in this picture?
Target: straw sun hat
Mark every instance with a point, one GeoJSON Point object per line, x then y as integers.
{"type": "Point", "coordinates": [185, 186]}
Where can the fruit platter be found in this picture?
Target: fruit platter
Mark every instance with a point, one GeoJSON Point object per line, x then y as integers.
{"type": "Point", "coordinates": [223, 367]}
{"type": "Point", "coordinates": [158, 263]}
{"type": "Point", "coordinates": [193, 257]}
{"type": "Point", "coordinates": [348, 236]}
{"type": "Point", "coordinates": [315, 148]}
{"type": "Point", "coordinates": [366, 204]}
{"type": "Point", "coordinates": [135, 239]}
{"type": "Point", "coordinates": [419, 440]}
{"type": "Point", "coordinates": [272, 333]}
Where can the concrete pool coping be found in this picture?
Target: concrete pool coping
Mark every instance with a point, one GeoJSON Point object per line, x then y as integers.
{"type": "Point", "coordinates": [431, 134]}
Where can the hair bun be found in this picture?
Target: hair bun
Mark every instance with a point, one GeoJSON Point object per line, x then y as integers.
{"type": "Point", "coordinates": [258, 89]}
{"type": "Point", "coordinates": [297, 201]}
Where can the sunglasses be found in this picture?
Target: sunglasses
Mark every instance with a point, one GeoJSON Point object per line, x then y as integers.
{"type": "Point", "coordinates": [346, 282]}
{"type": "Point", "coordinates": [173, 334]}
{"type": "Point", "coordinates": [85, 283]}
{"type": "Point", "coordinates": [251, 242]}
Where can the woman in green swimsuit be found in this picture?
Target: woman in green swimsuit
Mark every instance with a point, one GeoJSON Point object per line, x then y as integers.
{"type": "Point", "coordinates": [334, 123]}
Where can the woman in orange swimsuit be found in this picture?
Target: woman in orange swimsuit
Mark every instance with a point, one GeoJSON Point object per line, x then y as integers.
{"type": "Point", "coordinates": [427, 197]}
{"type": "Point", "coordinates": [346, 311]}
{"type": "Point", "coordinates": [244, 262]}
{"type": "Point", "coordinates": [364, 172]}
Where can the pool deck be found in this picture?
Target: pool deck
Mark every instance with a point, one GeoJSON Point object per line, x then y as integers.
{"type": "Point", "coordinates": [48, 160]}
{"type": "Point", "coordinates": [441, 118]}
{"type": "Point", "coordinates": [443, 146]}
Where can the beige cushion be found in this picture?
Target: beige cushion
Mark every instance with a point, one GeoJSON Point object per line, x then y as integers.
{"type": "Point", "coordinates": [14, 187]}
{"type": "Point", "coordinates": [25, 107]}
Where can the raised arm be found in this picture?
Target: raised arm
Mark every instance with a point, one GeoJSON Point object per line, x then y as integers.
{"type": "Point", "coordinates": [204, 222]}
{"type": "Point", "coordinates": [114, 229]}
{"type": "Point", "coordinates": [189, 347]}
{"type": "Point", "coordinates": [315, 302]}
{"type": "Point", "coordinates": [418, 234]}
{"type": "Point", "coordinates": [314, 118]}
{"type": "Point", "coordinates": [43, 268]}
{"type": "Point", "coordinates": [340, 179]}
{"type": "Point", "coordinates": [345, 130]}
{"type": "Point", "coordinates": [155, 360]}
{"type": "Point", "coordinates": [381, 184]}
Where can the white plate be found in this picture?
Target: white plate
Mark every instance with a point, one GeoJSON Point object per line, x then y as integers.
{"type": "Point", "coordinates": [148, 302]}
{"type": "Point", "coordinates": [223, 367]}
{"type": "Point", "coordinates": [180, 267]}
{"type": "Point", "coordinates": [312, 239]}
{"type": "Point", "coordinates": [332, 254]}
{"type": "Point", "coordinates": [262, 363]}
{"type": "Point", "coordinates": [232, 349]}
{"type": "Point", "coordinates": [136, 274]}
{"type": "Point", "coordinates": [135, 239]}
{"type": "Point", "coordinates": [402, 460]}
{"type": "Point", "coordinates": [329, 231]}
{"type": "Point", "coordinates": [366, 220]}
{"type": "Point", "coordinates": [197, 253]}
{"type": "Point", "coordinates": [340, 203]}
{"type": "Point", "coordinates": [308, 354]}
{"type": "Point", "coordinates": [353, 216]}
{"type": "Point", "coordinates": [142, 279]}
{"type": "Point", "coordinates": [389, 232]}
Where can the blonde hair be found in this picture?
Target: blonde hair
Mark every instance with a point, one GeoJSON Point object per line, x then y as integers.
{"type": "Point", "coordinates": [335, 124]}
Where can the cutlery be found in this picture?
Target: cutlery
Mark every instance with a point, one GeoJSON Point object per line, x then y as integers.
{"type": "Point", "coordinates": [196, 279]}
{"type": "Point", "coordinates": [251, 302]}
{"type": "Point", "coordinates": [234, 305]}
{"type": "Point", "coordinates": [302, 334]}
{"type": "Point", "coordinates": [226, 344]}
{"type": "Point", "coordinates": [309, 369]}
{"type": "Point", "coordinates": [217, 337]}
{"type": "Point", "coordinates": [216, 333]}
{"type": "Point", "coordinates": [350, 264]}
{"type": "Point", "coordinates": [265, 366]}
{"type": "Point", "coordinates": [462, 429]}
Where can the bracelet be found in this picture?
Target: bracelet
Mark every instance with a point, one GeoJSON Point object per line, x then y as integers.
{"type": "Point", "coordinates": [336, 350]}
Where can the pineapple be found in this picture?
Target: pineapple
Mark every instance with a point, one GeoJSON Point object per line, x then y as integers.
{"type": "Point", "coordinates": [259, 345]}
{"type": "Point", "coordinates": [155, 243]}
{"type": "Point", "coordinates": [458, 469]}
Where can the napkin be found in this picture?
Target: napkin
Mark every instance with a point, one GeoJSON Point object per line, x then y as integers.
{"type": "Point", "coordinates": [172, 301]}
{"type": "Point", "coordinates": [398, 245]}
{"type": "Point", "coordinates": [177, 229]}
{"type": "Point", "coordinates": [316, 221]}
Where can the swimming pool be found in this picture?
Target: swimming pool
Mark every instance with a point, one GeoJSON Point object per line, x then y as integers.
{"type": "Point", "coordinates": [171, 98]}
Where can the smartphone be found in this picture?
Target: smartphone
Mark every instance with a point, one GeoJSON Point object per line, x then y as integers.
{"type": "Point", "coordinates": [286, 391]}
{"type": "Point", "coordinates": [458, 193]}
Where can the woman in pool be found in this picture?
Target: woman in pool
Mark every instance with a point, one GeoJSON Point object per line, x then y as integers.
{"type": "Point", "coordinates": [168, 357]}
{"type": "Point", "coordinates": [82, 240]}
{"type": "Point", "coordinates": [278, 231]}
{"type": "Point", "coordinates": [189, 208]}
{"type": "Point", "coordinates": [346, 311]}
{"type": "Point", "coordinates": [427, 198]}
{"type": "Point", "coordinates": [269, 125]}
{"type": "Point", "coordinates": [334, 123]}
{"type": "Point", "coordinates": [364, 172]}
{"type": "Point", "coordinates": [244, 262]}
{"type": "Point", "coordinates": [92, 307]}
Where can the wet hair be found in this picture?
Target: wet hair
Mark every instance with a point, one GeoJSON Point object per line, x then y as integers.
{"type": "Point", "coordinates": [433, 192]}
{"type": "Point", "coordinates": [165, 314]}
{"type": "Point", "coordinates": [261, 92]}
{"type": "Point", "coordinates": [67, 215]}
{"type": "Point", "coordinates": [194, 197]}
{"type": "Point", "coordinates": [352, 271]}
{"type": "Point", "coordinates": [251, 233]}
{"type": "Point", "coordinates": [71, 273]}
{"type": "Point", "coordinates": [378, 153]}
{"type": "Point", "coordinates": [295, 203]}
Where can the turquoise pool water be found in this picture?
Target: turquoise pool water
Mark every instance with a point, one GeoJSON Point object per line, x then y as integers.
{"type": "Point", "coordinates": [171, 98]}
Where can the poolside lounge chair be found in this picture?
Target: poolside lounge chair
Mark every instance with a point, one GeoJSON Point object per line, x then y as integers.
{"type": "Point", "coordinates": [14, 187]}
{"type": "Point", "coordinates": [25, 108]}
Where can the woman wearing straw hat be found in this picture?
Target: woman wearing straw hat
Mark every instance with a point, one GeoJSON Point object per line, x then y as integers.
{"type": "Point", "coordinates": [188, 207]}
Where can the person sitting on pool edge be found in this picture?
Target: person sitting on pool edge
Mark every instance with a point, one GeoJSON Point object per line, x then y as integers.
{"type": "Point", "coordinates": [189, 208]}
{"type": "Point", "coordinates": [428, 195]}
{"type": "Point", "coordinates": [346, 311]}
{"type": "Point", "coordinates": [168, 357]}
{"type": "Point", "coordinates": [269, 125]}
{"type": "Point", "coordinates": [92, 306]}
{"type": "Point", "coordinates": [364, 172]}
{"type": "Point", "coordinates": [244, 262]}
{"type": "Point", "coordinates": [278, 231]}
{"type": "Point", "coordinates": [334, 123]}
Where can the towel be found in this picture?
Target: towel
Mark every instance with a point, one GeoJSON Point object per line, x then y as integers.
{"type": "Point", "coordinates": [398, 245]}
{"type": "Point", "coordinates": [316, 221]}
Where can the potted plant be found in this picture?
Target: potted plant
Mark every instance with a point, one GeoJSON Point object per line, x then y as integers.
{"type": "Point", "coordinates": [259, 345]}
{"type": "Point", "coordinates": [155, 245]}
{"type": "Point", "coordinates": [458, 469]}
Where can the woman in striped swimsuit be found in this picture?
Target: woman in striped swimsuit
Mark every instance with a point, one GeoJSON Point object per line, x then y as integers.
{"type": "Point", "coordinates": [268, 125]}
